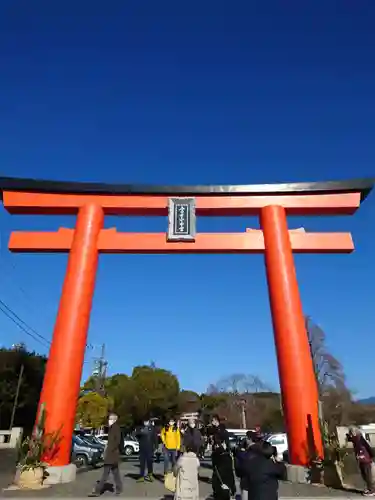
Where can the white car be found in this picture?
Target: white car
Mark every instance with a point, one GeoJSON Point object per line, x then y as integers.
{"type": "Point", "coordinates": [280, 442]}
{"type": "Point", "coordinates": [131, 445]}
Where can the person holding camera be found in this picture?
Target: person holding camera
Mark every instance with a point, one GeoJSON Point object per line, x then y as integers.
{"type": "Point", "coordinates": [260, 472]}
{"type": "Point", "coordinates": [365, 459]}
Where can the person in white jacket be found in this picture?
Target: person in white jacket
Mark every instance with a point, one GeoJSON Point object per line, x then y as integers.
{"type": "Point", "coordinates": [187, 484]}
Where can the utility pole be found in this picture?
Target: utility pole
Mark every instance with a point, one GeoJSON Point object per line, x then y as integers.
{"type": "Point", "coordinates": [16, 397]}
{"type": "Point", "coordinates": [100, 372]}
{"type": "Point", "coordinates": [243, 413]}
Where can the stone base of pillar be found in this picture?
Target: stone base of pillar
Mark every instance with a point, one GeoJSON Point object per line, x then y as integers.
{"type": "Point", "coordinates": [60, 474]}
{"type": "Point", "coordinates": [297, 474]}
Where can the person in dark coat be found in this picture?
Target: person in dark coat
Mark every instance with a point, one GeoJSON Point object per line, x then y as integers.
{"type": "Point", "coordinates": [192, 437]}
{"type": "Point", "coordinates": [365, 458]}
{"type": "Point", "coordinates": [223, 481]}
{"type": "Point", "coordinates": [146, 436]}
{"type": "Point", "coordinates": [254, 436]}
{"type": "Point", "coordinates": [219, 432]}
{"type": "Point", "coordinates": [261, 472]}
{"type": "Point", "coordinates": [246, 450]}
{"type": "Point", "coordinates": [159, 445]}
{"type": "Point", "coordinates": [239, 459]}
{"type": "Point", "coordinates": [203, 447]}
{"type": "Point", "coordinates": [111, 457]}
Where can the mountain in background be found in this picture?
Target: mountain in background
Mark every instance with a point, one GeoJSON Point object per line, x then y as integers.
{"type": "Point", "coordinates": [367, 401]}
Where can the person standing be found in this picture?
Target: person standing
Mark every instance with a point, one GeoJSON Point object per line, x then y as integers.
{"type": "Point", "coordinates": [246, 451]}
{"type": "Point", "coordinates": [192, 437]}
{"type": "Point", "coordinates": [239, 459]}
{"type": "Point", "coordinates": [262, 473]}
{"type": "Point", "coordinates": [187, 485]}
{"type": "Point", "coordinates": [220, 433]}
{"type": "Point", "coordinates": [171, 439]}
{"type": "Point", "coordinates": [159, 446]}
{"type": "Point", "coordinates": [365, 458]}
{"type": "Point", "coordinates": [111, 457]}
{"type": "Point", "coordinates": [147, 441]}
{"type": "Point", "coordinates": [223, 481]}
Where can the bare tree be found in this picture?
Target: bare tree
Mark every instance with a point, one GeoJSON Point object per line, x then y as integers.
{"type": "Point", "coordinates": [328, 370]}
{"type": "Point", "coordinates": [254, 384]}
{"type": "Point", "coordinates": [240, 405]}
{"type": "Point", "coordinates": [239, 384]}
{"type": "Point", "coordinates": [212, 389]}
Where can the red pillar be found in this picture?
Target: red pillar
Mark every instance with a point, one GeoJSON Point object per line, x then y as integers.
{"type": "Point", "coordinates": [64, 367]}
{"type": "Point", "coordinates": [297, 380]}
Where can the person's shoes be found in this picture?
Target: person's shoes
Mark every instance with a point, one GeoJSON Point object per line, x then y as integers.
{"type": "Point", "coordinates": [141, 479]}
{"type": "Point", "coordinates": [118, 492]}
{"type": "Point", "coordinates": [368, 493]}
{"type": "Point", "coordinates": [149, 478]}
{"type": "Point", "coordinates": [94, 494]}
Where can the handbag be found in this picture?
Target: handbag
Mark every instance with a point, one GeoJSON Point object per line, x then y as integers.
{"type": "Point", "coordinates": [170, 482]}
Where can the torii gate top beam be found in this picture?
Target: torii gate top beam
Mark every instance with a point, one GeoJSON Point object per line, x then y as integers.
{"type": "Point", "coordinates": [362, 186]}
{"type": "Point", "coordinates": [30, 196]}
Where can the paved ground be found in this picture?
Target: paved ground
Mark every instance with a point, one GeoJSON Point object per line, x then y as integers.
{"type": "Point", "coordinates": [129, 472]}
{"type": "Point", "coordinates": [8, 458]}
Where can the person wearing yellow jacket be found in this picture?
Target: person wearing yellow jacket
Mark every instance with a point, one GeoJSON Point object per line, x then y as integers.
{"type": "Point", "coordinates": [171, 439]}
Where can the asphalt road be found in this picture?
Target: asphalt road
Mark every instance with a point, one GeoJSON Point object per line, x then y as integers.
{"type": "Point", "coordinates": [86, 480]}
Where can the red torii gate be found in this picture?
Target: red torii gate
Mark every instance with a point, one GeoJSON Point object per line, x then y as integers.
{"type": "Point", "coordinates": [271, 202]}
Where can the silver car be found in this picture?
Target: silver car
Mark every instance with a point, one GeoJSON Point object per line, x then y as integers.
{"type": "Point", "coordinates": [85, 453]}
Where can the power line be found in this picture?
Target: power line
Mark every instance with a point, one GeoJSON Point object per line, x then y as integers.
{"type": "Point", "coordinates": [15, 318]}
{"type": "Point", "coordinates": [20, 287]}
{"type": "Point", "coordinates": [22, 325]}
{"type": "Point", "coordinates": [23, 322]}
{"type": "Point", "coordinates": [7, 265]}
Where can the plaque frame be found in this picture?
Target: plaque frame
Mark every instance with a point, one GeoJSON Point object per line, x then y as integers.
{"type": "Point", "coordinates": [190, 205]}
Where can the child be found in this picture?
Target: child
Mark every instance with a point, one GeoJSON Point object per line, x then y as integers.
{"type": "Point", "coordinates": [187, 486]}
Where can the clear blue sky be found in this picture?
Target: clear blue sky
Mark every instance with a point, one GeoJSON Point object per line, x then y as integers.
{"type": "Point", "coordinates": [192, 92]}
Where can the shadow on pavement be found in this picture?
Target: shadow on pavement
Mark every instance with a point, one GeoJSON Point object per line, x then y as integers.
{"type": "Point", "coordinates": [157, 477]}
{"type": "Point", "coordinates": [132, 475]}
{"type": "Point", "coordinates": [204, 479]}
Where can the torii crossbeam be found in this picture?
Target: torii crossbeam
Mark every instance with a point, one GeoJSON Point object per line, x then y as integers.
{"type": "Point", "coordinates": [272, 203]}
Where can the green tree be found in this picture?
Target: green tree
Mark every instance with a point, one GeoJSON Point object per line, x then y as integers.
{"type": "Point", "coordinates": [92, 410]}
{"type": "Point", "coordinates": [189, 401]}
{"type": "Point", "coordinates": [211, 403]}
{"type": "Point", "coordinates": [156, 391]}
{"type": "Point", "coordinates": [121, 388]}
{"type": "Point", "coordinates": [11, 361]}
{"type": "Point", "coordinates": [93, 382]}
{"type": "Point", "coordinates": [89, 385]}
{"type": "Point", "coordinates": [116, 382]}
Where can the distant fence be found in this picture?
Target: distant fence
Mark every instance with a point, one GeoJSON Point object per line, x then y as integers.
{"type": "Point", "coordinates": [11, 439]}
{"type": "Point", "coordinates": [368, 432]}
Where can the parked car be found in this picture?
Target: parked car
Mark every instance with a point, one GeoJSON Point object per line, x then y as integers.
{"type": "Point", "coordinates": [280, 442]}
{"type": "Point", "coordinates": [84, 453]}
{"type": "Point", "coordinates": [131, 445]}
{"type": "Point", "coordinates": [234, 441]}
{"type": "Point", "coordinates": [93, 441]}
